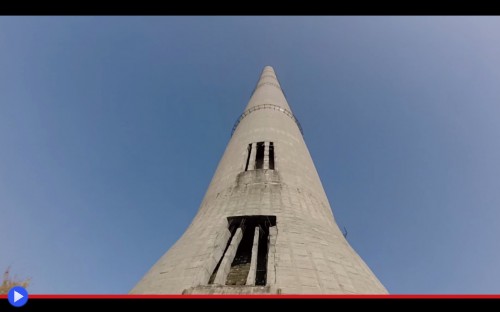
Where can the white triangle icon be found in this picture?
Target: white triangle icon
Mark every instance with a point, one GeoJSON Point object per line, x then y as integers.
{"type": "Point", "coordinates": [17, 296]}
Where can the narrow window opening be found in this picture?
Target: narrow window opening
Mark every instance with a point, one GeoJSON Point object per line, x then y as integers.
{"type": "Point", "coordinates": [241, 264]}
{"type": "Point", "coordinates": [248, 156]}
{"type": "Point", "coordinates": [271, 156]}
{"type": "Point", "coordinates": [259, 158]}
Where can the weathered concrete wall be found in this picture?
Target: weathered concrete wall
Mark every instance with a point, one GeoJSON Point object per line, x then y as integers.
{"type": "Point", "coordinates": [225, 265]}
{"type": "Point", "coordinates": [234, 290]}
{"type": "Point", "coordinates": [307, 251]}
{"type": "Point", "coordinates": [253, 263]}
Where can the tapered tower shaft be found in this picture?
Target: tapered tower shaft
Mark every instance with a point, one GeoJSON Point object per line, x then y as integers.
{"type": "Point", "coordinates": [265, 224]}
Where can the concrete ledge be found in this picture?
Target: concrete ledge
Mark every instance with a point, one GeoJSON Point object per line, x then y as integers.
{"type": "Point", "coordinates": [218, 290]}
{"type": "Point", "coordinates": [258, 176]}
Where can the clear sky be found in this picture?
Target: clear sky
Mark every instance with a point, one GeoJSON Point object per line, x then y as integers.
{"type": "Point", "coordinates": [111, 129]}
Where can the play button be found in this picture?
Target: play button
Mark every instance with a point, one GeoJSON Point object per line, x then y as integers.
{"type": "Point", "coordinates": [18, 296]}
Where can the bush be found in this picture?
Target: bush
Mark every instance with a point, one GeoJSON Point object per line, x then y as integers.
{"type": "Point", "coordinates": [8, 282]}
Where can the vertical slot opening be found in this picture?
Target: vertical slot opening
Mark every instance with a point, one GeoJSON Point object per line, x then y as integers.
{"type": "Point", "coordinates": [259, 158]}
{"type": "Point", "coordinates": [271, 156]}
{"type": "Point", "coordinates": [241, 264]}
{"type": "Point", "coordinates": [248, 156]}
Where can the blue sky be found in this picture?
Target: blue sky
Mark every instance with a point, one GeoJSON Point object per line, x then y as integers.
{"type": "Point", "coordinates": [111, 129]}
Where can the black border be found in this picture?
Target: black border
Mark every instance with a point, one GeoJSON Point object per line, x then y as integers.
{"type": "Point", "coordinates": [317, 7]}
